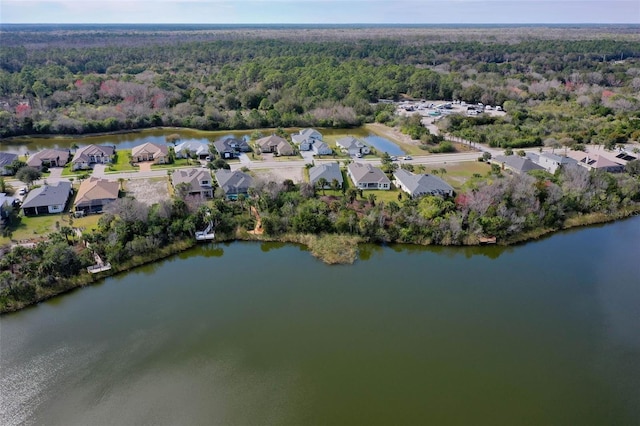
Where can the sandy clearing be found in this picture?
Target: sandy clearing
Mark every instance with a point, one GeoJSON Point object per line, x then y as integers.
{"type": "Point", "coordinates": [280, 174]}
{"type": "Point", "coordinates": [148, 191]}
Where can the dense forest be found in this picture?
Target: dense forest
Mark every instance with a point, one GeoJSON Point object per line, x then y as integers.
{"type": "Point", "coordinates": [560, 85]}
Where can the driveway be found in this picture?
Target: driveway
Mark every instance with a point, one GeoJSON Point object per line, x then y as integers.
{"type": "Point", "coordinates": [98, 170]}
{"type": "Point", "coordinates": [308, 156]}
{"type": "Point", "coordinates": [244, 159]}
{"type": "Point", "coordinates": [145, 166]}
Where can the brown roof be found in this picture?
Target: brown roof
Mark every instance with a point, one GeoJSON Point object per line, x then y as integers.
{"type": "Point", "coordinates": [150, 148]}
{"type": "Point", "coordinates": [96, 189]}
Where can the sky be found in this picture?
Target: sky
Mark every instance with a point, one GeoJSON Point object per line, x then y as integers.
{"type": "Point", "coordinates": [321, 11]}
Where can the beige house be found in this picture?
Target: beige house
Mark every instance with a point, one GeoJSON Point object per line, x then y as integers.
{"type": "Point", "coordinates": [275, 144]}
{"type": "Point", "coordinates": [94, 194]}
{"type": "Point", "coordinates": [150, 151]}
{"type": "Point", "coordinates": [92, 154]}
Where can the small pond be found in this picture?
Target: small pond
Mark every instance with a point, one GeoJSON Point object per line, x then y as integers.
{"type": "Point", "coordinates": [383, 145]}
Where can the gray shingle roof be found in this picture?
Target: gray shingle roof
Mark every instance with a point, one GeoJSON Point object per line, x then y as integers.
{"type": "Point", "coordinates": [517, 163]}
{"type": "Point", "coordinates": [48, 195]}
{"type": "Point", "coordinates": [233, 182]}
{"type": "Point", "coordinates": [422, 184]}
{"type": "Point", "coordinates": [231, 144]}
{"type": "Point", "coordinates": [191, 176]}
{"type": "Point", "coordinates": [6, 158]}
{"type": "Point", "coordinates": [82, 154]}
{"type": "Point", "coordinates": [329, 171]}
{"type": "Point", "coordinates": [366, 173]}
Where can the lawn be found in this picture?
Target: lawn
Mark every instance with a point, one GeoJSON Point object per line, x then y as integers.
{"type": "Point", "coordinates": [179, 162]}
{"type": "Point", "coordinates": [458, 174]}
{"type": "Point", "coordinates": [38, 227]}
{"type": "Point", "coordinates": [121, 163]}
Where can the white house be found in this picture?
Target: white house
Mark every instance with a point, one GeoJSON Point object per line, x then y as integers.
{"type": "Point", "coordinates": [352, 146]}
{"type": "Point", "coordinates": [365, 176]}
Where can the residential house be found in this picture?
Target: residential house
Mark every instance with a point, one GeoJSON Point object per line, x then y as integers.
{"type": "Point", "coordinates": [7, 204]}
{"type": "Point", "coordinates": [329, 171]}
{"type": "Point", "coordinates": [230, 147]}
{"type": "Point", "coordinates": [49, 158]}
{"type": "Point", "coordinates": [189, 149]}
{"type": "Point", "coordinates": [198, 180]}
{"type": "Point", "coordinates": [6, 158]}
{"type": "Point", "coordinates": [516, 163]}
{"type": "Point", "coordinates": [47, 199]}
{"type": "Point", "coordinates": [233, 183]}
{"type": "Point", "coordinates": [596, 162]}
{"type": "Point", "coordinates": [302, 142]}
{"type": "Point", "coordinates": [88, 155]}
{"type": "Point", "coordinates": [150, 151]}
{"type": "Point", "coordinates": [551, 162]}
{"type": "Point", "coordinates": [321, 148]}
{"type": "Point", "coordinates": [352, 146]}
{"type": "Point", "coordinates": [365, 176]}
{"type": "Point", "coordinates": [275, 144]}
{"type": "Point", "coordinates": [306, 138]}
{"type": "Point", "coordinates": [94, 194]}
{"type": "Point", "coordinates": [418, 185]}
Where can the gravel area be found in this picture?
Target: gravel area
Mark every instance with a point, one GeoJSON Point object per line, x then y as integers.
{"type": "Point", "coordinates": [148, 191]}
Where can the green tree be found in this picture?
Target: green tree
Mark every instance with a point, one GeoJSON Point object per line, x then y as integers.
{"type": "Point", "coordinates": [321, 183]}
{"type": "Point", "coordinates": [28, 175]}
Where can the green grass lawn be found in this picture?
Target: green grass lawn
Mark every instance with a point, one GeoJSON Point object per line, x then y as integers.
{"type": "Point", "coordinates": [66, 171]}
{"type": "Point", "coordinates": [179, 162]}
{"type": "Point", "coordinates": [121, 163]}
{"type": "Point", "coordinates": [458, 174]}
{"type": "Point", "coordinates": [37, 227]}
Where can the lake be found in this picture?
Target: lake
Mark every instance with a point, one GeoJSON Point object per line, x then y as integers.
{"type": "Point", "coordinates": [249, 333]}
{"type": "Point", "coordinates": [128, 140]}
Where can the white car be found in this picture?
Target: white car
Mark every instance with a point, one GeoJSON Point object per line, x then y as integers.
{"type": "Point", "coordinates": [408, 157]}
{"type": "Point", "coordinates": [22, 191]}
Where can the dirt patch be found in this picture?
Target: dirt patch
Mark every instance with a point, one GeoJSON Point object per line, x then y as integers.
{"type": "Point", "coordinates": [149, 191]}
{"type": "Point", "coordinates": [280, 174]}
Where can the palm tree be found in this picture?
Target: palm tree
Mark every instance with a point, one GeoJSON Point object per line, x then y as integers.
{"type": "Point", "coordinates": [372, 200]}
{"type": "Point", "coordinates": [442, 171]}
{"type": "Point", "coordinates": [321, 183]}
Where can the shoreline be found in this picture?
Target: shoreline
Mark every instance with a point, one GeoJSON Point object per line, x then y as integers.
{"type": "Point", "coordinates": [319, 246]}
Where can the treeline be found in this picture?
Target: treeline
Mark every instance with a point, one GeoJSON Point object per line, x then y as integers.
{"type": "Point", "coordinates": [506, 207]}
{"type": "Point", "coordinates": [260, 82]}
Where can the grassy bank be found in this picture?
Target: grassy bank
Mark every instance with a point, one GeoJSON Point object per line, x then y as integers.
{"type": "Point", "coordinates": [332, 249]}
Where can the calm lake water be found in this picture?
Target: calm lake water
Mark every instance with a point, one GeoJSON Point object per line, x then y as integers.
{"type": "Point", "coordinates": [383, 145]}
{"type": "Point", "coordinates": [129, 140]}
{"type": "Point", "coordinates": [248, 333]}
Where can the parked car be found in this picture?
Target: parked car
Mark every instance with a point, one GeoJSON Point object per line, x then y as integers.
{"type": "Point", "coordinates": [359, 155]}
{"type": "Point", "coordinates": [22, 191]}
{"type": "Point", "coordinates": [408, 157]}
